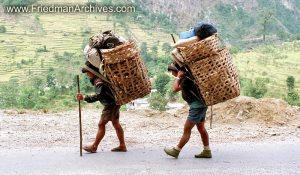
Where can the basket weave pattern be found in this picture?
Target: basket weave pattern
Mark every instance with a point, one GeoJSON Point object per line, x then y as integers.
{"type": "Point", "coordinates": [216, 77]}
{"type": "Point", "coordinates": [201, 49]}
{"type": "Point", "coordinates": [127, 72]}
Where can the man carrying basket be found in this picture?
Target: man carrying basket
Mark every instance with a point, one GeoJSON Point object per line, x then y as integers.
{"type": "Point", "coordinates": [189, 90]}
{"type": "Point", "coordinates": [196, 115]}
{"type": "Point", "coordinates": [110, 112]}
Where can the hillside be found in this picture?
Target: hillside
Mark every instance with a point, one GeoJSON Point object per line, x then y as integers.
{"type": "Point", "coordinates": [274, 63]}
{"type": "Point", "coordinates": [236, 19]}
{"type": "Point", "coordinates": [27, 35]}
{"type": "Point", "coordinates": [34, 43]}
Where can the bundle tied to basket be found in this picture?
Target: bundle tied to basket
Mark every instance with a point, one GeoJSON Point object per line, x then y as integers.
{"type": "Point", "coordinates": [201, 49]}
{"type": "Point", "coordinates": [127, 72]}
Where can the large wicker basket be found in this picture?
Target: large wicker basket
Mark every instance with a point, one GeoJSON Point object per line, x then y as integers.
{"type": "Point", "coordinates": [217, 77]}
{"type": "Point", "coordinates": [127, 72]}
{"type": "Point", "coordinates": [201, 49]}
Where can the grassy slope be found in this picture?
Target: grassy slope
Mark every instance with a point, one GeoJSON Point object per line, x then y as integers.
{"type": "Point", "coordinates": [275, 63]}
{"type": "Point", "coordinates": [62, 33]}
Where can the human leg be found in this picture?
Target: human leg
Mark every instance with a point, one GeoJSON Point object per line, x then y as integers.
{"type": "Point", "coordinates": [174, 152]}
{"type": "Point", "coordinates": [99, 136]}
{"type": "Point", "coordinates": [120, 134]}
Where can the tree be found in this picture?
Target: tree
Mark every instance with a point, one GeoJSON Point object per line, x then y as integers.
{"type": "Point", "coordinates": [266, 15]}
{"type": "Point", "coordinates": [290, 81]}
{"type": "Point", "coordinates": [160, 83]}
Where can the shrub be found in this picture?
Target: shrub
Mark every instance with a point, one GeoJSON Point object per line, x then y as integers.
{"type": "Point", "coordinates": [65, 57]}
{"type": "Point", "coordinates": [24, 62]}
{"type": "Point", "coordinates": [293, 98]}
{"type": "Point", "coordinates": [42, 49]}
{"type": "Point", "coordinates": [154, 50]}
{"type": "Point", "coordinates": [27, 98]}
{"type": "Point", "coordinates": [50, 79]}
{"type": "Point", "coordinates": [9, 93]}
{"type": "Point", "coordinates": [166, 47]}
{"type": "Point", "coordinates": [160, 82]}
{"type": "Point", "coordinates": [283, 35]}
{"type": "Point", "coordinates": [52, 93]}
{"type": "Point", "coordinates": [256, 88]}
{"type": "Point", "coordinates": [157, 101]}
{"type": "Point", "coordinates": [41, 102]}
{"type": "Point", "coordinates": [235, 50]}
{"type": "Point", "coordinates": [2, 29]}
{"type": "Point", "coordinates": [86, 30]}
{"type": "Point", "coordinates": [172, 96]}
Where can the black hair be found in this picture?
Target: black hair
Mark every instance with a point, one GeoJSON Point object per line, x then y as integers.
{"type": "Point", "coordinates": [92, 80]}
{"type": "Point", "coordinates": [204, 30]}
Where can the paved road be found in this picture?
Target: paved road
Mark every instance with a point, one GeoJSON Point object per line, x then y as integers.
{"type": "Point", "coordinates": [235, 158]}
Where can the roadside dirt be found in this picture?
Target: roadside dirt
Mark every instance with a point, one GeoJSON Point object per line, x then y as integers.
{"type": "Point", "coordinates": [243, 119]}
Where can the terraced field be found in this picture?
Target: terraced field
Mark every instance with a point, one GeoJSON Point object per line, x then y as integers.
{"type": "Point", "coordinates": [27, 35]}
{"type": "Point", "coordinates": [58, 33]}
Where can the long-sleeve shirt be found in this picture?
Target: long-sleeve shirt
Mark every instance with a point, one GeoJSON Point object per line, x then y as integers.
{"type": "Point", "coordinates": [103, 94]}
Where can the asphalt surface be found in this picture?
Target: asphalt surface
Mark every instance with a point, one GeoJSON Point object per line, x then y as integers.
{"type": "Point", "coordinates": [236, 158]}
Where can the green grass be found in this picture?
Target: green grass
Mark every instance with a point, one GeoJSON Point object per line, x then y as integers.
{"type": "Point", "coordinates": [61, 33]}
{"type": "Point", "coordinates": [273, 62]}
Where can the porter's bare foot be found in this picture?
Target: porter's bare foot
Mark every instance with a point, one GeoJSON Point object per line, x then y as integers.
{"type": "Point", "coordinates": [119, 149]}
{"type": "Point", "coordinates": [90, 149]}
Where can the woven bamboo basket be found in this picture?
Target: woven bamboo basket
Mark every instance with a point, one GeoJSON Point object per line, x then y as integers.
{"type": "Point", "coordinates": [127, 72]}
{"type": "Point", "coordinates": [216, 78]}
{"type": "Point", "coordinates": [201, 49]}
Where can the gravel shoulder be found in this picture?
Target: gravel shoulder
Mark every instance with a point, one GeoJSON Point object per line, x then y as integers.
{"type": "Point", "coordinates": [248, 137]}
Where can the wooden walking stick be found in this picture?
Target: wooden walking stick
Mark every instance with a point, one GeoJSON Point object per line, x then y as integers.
{"type": "Point", "coordinates": [173, 38]}
{"type": "Point", "coordinates": [211, 116]}
{"type": "Point", "coordinates": [211, 112]}
{"type": "Point", "coordinates": [80, 125]}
